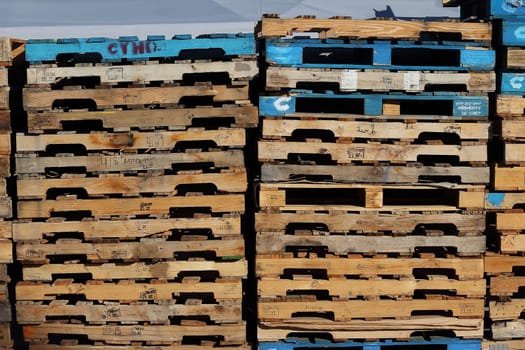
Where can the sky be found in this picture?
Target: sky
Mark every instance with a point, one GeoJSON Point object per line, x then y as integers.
{"type": "Point", "coordinates": [26, 19]}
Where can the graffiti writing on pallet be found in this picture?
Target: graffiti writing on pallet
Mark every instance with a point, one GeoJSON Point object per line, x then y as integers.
{"type": "Point", "coordinates": [132, 47]}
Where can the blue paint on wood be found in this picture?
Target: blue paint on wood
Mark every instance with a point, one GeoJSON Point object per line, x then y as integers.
{"type": "Point", "coordinates": [371, 104]}
{"type": "Point", "coordinates": [513, 83]}
{"type": "Point", "coordinates": [494, 199]}
{"type": "Point", "coordinates": [316, 53]}
{"type": "Point", "coordinates": [513, 32]}
{"type": "Point", "coordinates": [448, 343]}
{"type": "Point", "coordinates": [131, 48]}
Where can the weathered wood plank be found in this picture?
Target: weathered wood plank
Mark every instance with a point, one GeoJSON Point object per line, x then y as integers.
{"type": "Point", "coordinates": [337, 28]}
{"type": "Point", "coordinates": [222, 290]}
{"type": "Point", "coordinates": [176, 346]}
{"type": "Point", "coordinates": [510, 105]}
{"type": "Point", "coordinates": [354, 80]}
{"type": "Point", "coordinates": [503, 200]}
{"type": "Point", "coordinates": [243, 116]}
{"type": "Point", "coordinates": [123, 229]}
{"type": "Point", "coordinates": [128, 251]}
{"type": "Point", "coordinates": [353, 288]}
{"type": "Point", "coordinates": [507, 310]}
{"type": "Point", "coordinates": [506, 285]}
{"type": "Point", "coordinates": [364, 222]}
{"type": "Point", "coordinates": [31, 164]}
{"type": "Point", "coordinates": [36, 313]}
{"type": "Point", "coordinates": [42, 100]}
{"type": "Point", "coordinates": [508, 329]}
{"type": "Point", "coordinates": [510, 222]}
{"type": "Point", "coordinates": [6, 251]}
{"type": "Point", "coordinates": [130, 140]}
{"type": "Point", "coordinates": [130, 206]}
{"type": "Point", "coordinates": [408, 245]}
{"type": "Point", "coordinates": [502, 264]}
{"type": "Point", "coordinates": [237, 70]}
{"type": "Point", "coordinates": [4, 81]}
{"type": "Point", "coordinates": [509, 179]}
{"type": "Point", "coordinates": [503, 345]}
{"type": "Point", "coordinates": [514, 153]}
{"type": "Point", "coordinates": [233, 181]}
{"type": "Point", "coordinates": [357, 309]}
{"type": "Point", "coordinates": [463, 268]}
{"type": "Point", "coordinates": [348, 153]}
{"type": "Point", "coordinates": [515, 58]}
{"type": "Point", "coordinates": [375, 130]}
{"type": "Point", "coordinates": [109, 271]}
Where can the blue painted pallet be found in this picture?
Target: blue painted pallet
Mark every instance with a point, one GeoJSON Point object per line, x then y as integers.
{"type": "Point", "coordinates": [306, 101]}
{"type": "Point", "coordinates": [513, 83]}
{"type": "Point", "coordinates": [334, 53]}
{"type": "Point", "coordinates": [442, 343]}
{"type": "Point", "coordinates": [492, 8]}
{"type": "Point", "coordinates": [131, 48]}
{"type": "Point", "coordinates": [513, 32]}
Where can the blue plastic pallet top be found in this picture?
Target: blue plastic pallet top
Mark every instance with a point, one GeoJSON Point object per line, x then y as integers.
{"type": "Point", "coordinates": [513, 83]}
{"type": "Point", "coordinates": [449, 343]}
{"type": "Point", "coordinates": [513, 32]}
{"type": "Point", "coordinates": [372, 104]}
{"type": "Point", "coordinates": [132, 48]}
{"type": "Point", "coordinates": [333, 53]}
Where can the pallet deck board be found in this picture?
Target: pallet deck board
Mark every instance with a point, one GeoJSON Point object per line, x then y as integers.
{"type": "Point", "coordinates": [509, 178]}
{"type": "Point", "coordinates": [274, 128]}
{"type": "Point", "coordinates": [155, 333]}
{"type": "Point", "coordinates": [503, 200]}
{"type": "Point", "coordinates": [346, 153]}
{"type": "Point", "coordinates": [242, 115]}
{"type": "Point", "coordinates": [36, 313]}
{"type": "Point", "coordinates": [222, 290]}
{"type": "Point", "coordinates": [125, 228]}
{"type": "Point", "coordinates": [502, 264]}
{"type": "Point", "coordinates": [130, 206]}
{"type": "Point", "coordinates": [361, 309]}
{"type": "Point", "coordinates": [36, 99]}
{"type": "Point", "coordinates": [277, 243]}
{"type": "Point", "coordinates": [232, 182]}
{"type": "Point", "coordinates": [350, 28]}
{"type": "Point", "coordinates": [129, 251]}
{"type": "Point", "coordinates": [131, 48]}
{"type": "Point", "coordinates": [130, 140]}
{"type": "Point", "coordinates": [508, 310]}
{"type": "Point", "coordinates": [353, 288]}
{"type": "Point", "coordinates": [510, 222]}
{"type": "Point", "coordinates": [508, 330]}
{"type": "Point", "coordinates": [236, 70]}
{"type": "Point", "coordinates": [378, 174]}
{"type": "Point", "coordinates": [464, 268]}
{"type": "Point", "coordinates": [337, 222]}
{"type": "Point", "coordinates": [122, 162]}
{"type": "Point", "coordinates": [176, 346]}
{"type": "Point", "coordinates": [140, 270]}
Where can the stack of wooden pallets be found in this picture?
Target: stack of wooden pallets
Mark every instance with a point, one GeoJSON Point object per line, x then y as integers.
{"type": "Point", "coordinates": [507, 198]}
{"type": "Point", "coordinates": [131, 189]}
{"type": "Point", "coordinates": [374, 169]}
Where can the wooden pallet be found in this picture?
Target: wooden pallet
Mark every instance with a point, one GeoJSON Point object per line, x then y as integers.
{"type": "Point", "coordinates": [4, 97]}
{"type": "Point", "coordinates": [513, 153]}
{"type": "Point", "coordinates": [38, 313]}
{"type": "Point", "coordinates": [11, 50]}
{"type": "Point", "coordinates": [503, 344]}
{"type": "Point", "coordinates": [346, 153]}
{"type": "Point", "coordinates": [6, 251]}
{"type": "Point", "coordinates": [407, 130]}
{"type": "Point", "coordinates": [508, 330]}
{"type": "Point", "coordinates": [279, 264]}
{"type": "Point", "coordinates": [236, 71]}
{"type": "Point", "coordinates": [341, 245]}
{"type": "Point", "coordinates": [5, 120]}
{"type": "Point", "coordinates": [123, 162]}
{"type": "Point", "coordinates": [496, 265]}
{"type": "Point", "coordinates": [506, 310]}
{"type": "Point", "coordinates": [107, 207]}
{"type": "Point", "coordinates": [368, 288]}
{"type": "Point", "coordinates": [331, 196]}
{"type": "Point", "coordinates": [510, 105]}
{"type": "Point", "coordinates": [126, 334]}
{"type": "Point", "coordinates": [377, 174]}
{"type": "Point", "coordinates": [37, 99]}
{"type": "Point", "coordinates": [227, 248]}
{"type": "Point", "coordinates": [4, 81]}
{"type": "Point", "coordinates": [231, 181]}
{"type": "Point", "coordinates": [5, 312]}
{"type": "Point", "coordinates": [236, 116]}
{"type": "Point", "coordinates": [222, 290]}
{"type": "Point", "coordinates": [503, 200]}
{"type": "Point", "coordinates": [509, 178]}
{"type": "Point", "coordinates": [6, 343]}
{"type": "Point", "coordinates": [139, 270]}
{"type": "Point", "coordinates": [125, 228]}
{"type": "Point", "coordinates": [336, 222]}
{"type": "Point", "coordinates": [341, 311]}
{"type": "Point", "coordinates": [513, 57]}
{"type": "Point", "coordinates": [506, 286]}
{"type": "Point", "coordinates": [4, 277]}
{"type": "Point", "coordinates": [369, 329]}
{"type": "Point", "coordinates": [512, 129]}
{"type": "Point", "coordinates": [135, 140]}
{"type": "Point", "coordinates": [272, 26]}
{"type": "Point", "coordinates": [354, 80]}
{"type": "Point", "coordinates": [73, 344]}
{"type": "Point", "coordinates": [510, 222]}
